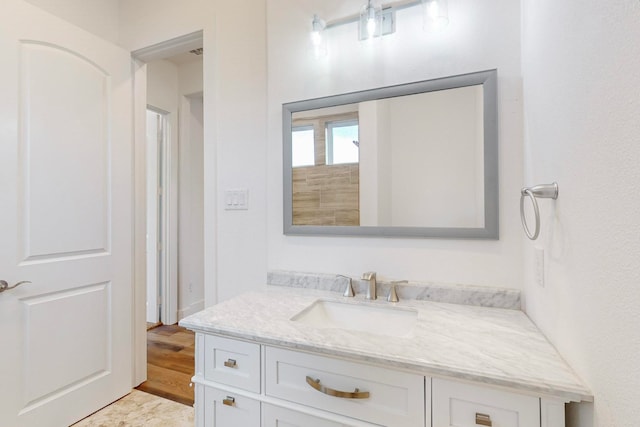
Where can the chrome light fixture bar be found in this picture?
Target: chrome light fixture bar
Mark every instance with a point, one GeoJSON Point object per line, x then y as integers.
{"type": "Point", "coordinates": [375, 20]}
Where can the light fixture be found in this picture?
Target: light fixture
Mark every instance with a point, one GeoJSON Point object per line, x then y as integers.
{"type": "Point", "coordinates": [318, 45]}
{"type": "Point", "coordinates": [370, 20]}
{"type": "Point", "coordinates": [317, 26]}
{"type": "Point", "coordinates": [435, 14]}
{"type": "Point", "coordinates": [374, 20]}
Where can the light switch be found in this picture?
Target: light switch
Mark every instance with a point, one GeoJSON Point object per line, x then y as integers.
{"type": "Point", "coordinates": [236, 199]}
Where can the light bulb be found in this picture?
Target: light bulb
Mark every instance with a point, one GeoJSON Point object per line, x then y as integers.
{"type": "Point", "coordinates": [432, 10]}
{"type": "Point", "coordinates": [316, 38]}
{"type": "Point", "coordinates": [317, 25]}
{"type": "Point", "coordinates": [436, 14]}
{"type": "Point", "coordinates": [371, 27]}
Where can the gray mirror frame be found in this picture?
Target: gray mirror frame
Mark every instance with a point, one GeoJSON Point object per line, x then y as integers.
{"type": "Point", "coordinates": [488, 79]}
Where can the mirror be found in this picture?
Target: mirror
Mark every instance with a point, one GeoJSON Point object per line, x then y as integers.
{"type": "Point", "coordinates": [413, 160]}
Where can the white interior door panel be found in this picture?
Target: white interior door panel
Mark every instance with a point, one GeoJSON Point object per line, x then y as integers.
{"type": "Point", "coordinates": [66, 219]}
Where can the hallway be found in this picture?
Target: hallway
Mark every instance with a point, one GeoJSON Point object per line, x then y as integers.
{"type": "Point", "coordinates": [170, 363]}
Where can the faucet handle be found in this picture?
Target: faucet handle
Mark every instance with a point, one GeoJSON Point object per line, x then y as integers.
{"type": "Point", "coordinates": [348, 291]}
{"type": "Point", "coordinates": [393, 294]}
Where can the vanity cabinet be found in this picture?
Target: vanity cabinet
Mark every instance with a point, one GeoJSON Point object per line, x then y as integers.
{"type": "Point", "coordinates": [242, 383]}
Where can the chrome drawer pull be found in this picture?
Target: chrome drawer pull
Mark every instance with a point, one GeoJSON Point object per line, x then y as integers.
{"type": "Point", "coordinates": [230, 363]}
{"type": "Point", "coordinates": [483, 420]}
{"type": "Point", "coordinates": [229, 401]}
{"type": "Point", "coordinates": [357, 394]}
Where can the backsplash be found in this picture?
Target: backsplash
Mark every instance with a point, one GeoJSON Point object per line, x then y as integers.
{"type": "Point", "coordinates": [482, 296]}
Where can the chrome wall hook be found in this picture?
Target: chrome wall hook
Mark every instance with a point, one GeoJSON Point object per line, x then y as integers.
{"type": "Point", "coordinates": [543, 191]}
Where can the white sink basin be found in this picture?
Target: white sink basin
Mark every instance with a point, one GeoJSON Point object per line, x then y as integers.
{"type": "Point", "coordinates": [373, 319]}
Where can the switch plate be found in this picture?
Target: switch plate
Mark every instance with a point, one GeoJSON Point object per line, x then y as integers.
{"type": "Point", "coordinates": [539, 266]}
{"type": "Point", "coordinates": [237, 199]}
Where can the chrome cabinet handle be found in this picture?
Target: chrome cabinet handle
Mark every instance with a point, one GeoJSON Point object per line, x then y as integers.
{"type": "Point", "coordinates": [230, 363]}
{"type": "Point", "coordinates": [4, 286]}
{"type": "Point", "coordinates": [229, 401]}
{"type": "Point", "coordinates": [483, 420]}
{"type": "Point", "coordinates": [357, 394]}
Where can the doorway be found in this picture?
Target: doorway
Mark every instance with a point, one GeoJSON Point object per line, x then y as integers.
{"type": "Point", "coordinates": [174, 177]}
{"type": "Point", "coordinates": [169, 110]}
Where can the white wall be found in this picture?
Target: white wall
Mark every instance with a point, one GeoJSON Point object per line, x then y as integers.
{"type": "Point", "coordinates": [372, 188]}
{"type": "Point", "coordinates": [191, 209]}
{"type": "Point", "coordinates": [96, 16]}
{"type": "Point", "coordinates": [162, 87]}
{"type": "Point", "coordinates": [581, 64]}
{"type": "Point", "coordinates": [418, 143]}
{"type": "Point", "coordinates": [434, 140]}
{"type": "Point", "coordinates": [190, 77]}
{"type": "Point", "coordinates": [482, 35]}
{"type": "Point", "coordinates": [234, 125]}
{"type": "Point", "coordinates": [191, 189]}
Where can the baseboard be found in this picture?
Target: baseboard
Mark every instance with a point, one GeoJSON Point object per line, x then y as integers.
{"type": "Point", "coordinates": [192, 309]}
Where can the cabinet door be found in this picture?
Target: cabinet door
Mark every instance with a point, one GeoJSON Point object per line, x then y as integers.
{"type": "Point", "coordinates": [369, 393]}
{"type": "Point", "coordinates": [224, 409]}
{"type": "Point", "coordinates": [276, 416]}
{"type": "Point", "coordinates": [466, 405]}
{"type": "Point", "coordinates": [232, 362]}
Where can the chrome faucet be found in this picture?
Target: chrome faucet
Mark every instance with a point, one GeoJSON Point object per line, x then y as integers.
{"type": "Point", "coordinates": [371, 290]}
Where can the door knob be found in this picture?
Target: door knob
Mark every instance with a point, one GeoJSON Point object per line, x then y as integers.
{"type": "Point", "coordinates": [4, 286]}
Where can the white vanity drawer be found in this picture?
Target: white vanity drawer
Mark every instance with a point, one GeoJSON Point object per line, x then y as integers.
{"type": "Point", "coordinates": [224, 409]}
{"type": "Point", "coordinates": [395, 398]}
{"type": "Point", "coordinates": [232, 362]}
{"type": "Point", "coordinates": [465, 405]}
{"type": "Point", "coordinates": [275, 416]}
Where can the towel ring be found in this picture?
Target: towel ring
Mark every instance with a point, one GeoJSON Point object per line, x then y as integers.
{"type": "Point", "coordinates": [543, 191]}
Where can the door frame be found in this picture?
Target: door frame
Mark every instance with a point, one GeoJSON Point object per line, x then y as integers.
{"type": "Point", "coordinates": [140, 58]}
{"type": "Point", "coordinates": [164, 282]}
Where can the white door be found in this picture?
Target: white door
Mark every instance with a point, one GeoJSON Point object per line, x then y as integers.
{"type": "Point", "coordinates": [65, 220]}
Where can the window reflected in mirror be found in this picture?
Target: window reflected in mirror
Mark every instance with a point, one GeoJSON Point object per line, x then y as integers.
{"type": "Point", "coordinates": [325, 157]}
{"type": "Point", "coordinates": [342, 142]}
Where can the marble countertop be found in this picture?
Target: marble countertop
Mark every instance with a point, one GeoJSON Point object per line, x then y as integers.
{"type": "Point", "coordinates": [486, 345]}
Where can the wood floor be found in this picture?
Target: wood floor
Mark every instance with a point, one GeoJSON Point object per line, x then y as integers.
{"type": "Point", "coordinates": [170, 363]}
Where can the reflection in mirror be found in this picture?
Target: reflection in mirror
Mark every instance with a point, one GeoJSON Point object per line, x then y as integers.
{"type": "Point", "coordinates": [412, 160]}
{"type": "Point", "coordinates": [326, 186]}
